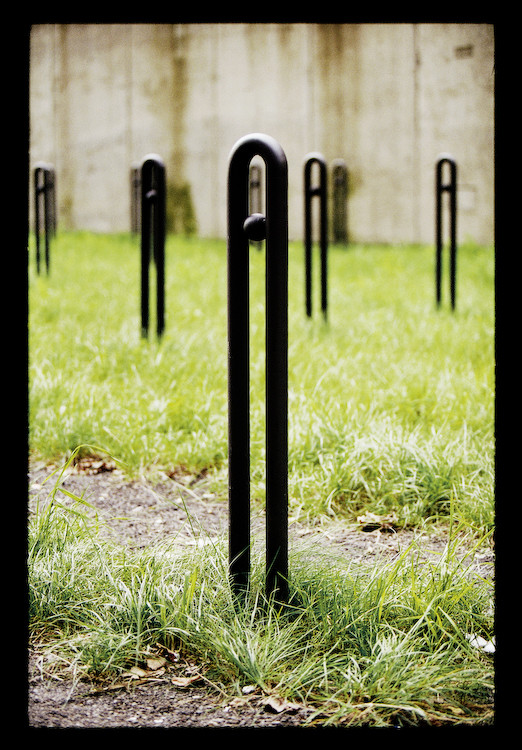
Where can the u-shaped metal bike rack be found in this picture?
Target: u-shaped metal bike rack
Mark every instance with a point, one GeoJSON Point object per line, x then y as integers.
{"type": "Point", "coordinates": [310, 192]}
{"type": "Point", "coordinates": [44, 203]}
{"type": "Point", "coordinates": [255, 192]}
{"type": "Point", "coordinates": [442, 187]}
{"type": "Point", "coordinates": [135, 198]}
{"type": "Point", "coordinates": [153, 199]}
{"type": "Point", "coordinates": [339, 201]}
{"type": "Point", "coordinates": [243, 228]}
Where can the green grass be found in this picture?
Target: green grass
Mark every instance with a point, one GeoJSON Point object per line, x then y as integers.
{"type": "Point", "coordinates": [391, 404]}
{"type": "Point", "coordinates": [387, 646]}
{"type": "Point", "coordinates": [391, 410]}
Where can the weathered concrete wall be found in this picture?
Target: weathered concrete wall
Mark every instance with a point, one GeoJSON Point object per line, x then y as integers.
{"type": "Point", "coordinates": [455, 113]}
{"type": "Point", "coordinates": [386, 98]}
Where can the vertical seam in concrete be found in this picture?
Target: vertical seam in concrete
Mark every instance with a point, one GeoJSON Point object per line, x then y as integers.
{"type": "Point", "coordinates": [128, 75]}
{"type": "Point", "coordinates": [215, 41]}
{"type": "Point", "coordinates": [310, 119]}
{"type": "Point", "coordinates": [417, 182]}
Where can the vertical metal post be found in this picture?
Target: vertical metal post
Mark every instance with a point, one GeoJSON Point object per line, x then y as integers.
{"type": "Point", "coordinates": [135, 199]}
{"type": "Point", "coordinates": [43, 197]}
{"type": "Point", "coordinates": [340, 197]}
{"type": "Point", "coordinates": [310, 192]}
{"type": "Point", "coordinates": [273, 227]}
{"type": "Point", "coordinates": [153, 197]}
{"type": "Point", "coordinates": [255, 194]}
{"type": "Point", "coordinates": [51, 202]}
{"type": "Point", "coordinates": [450, 188]}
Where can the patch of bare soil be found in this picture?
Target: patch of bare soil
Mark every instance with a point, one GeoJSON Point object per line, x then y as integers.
{"type": "Point", "coordinates": [169, 692]}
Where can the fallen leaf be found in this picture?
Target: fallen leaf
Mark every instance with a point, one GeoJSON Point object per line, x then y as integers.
{"type": "Point", "coordinates": [184, 681]}
{"type": "Point", "coordinates": [240, 701]}
{"type": "Point", "coordinates": [156, 663]}
{"type": "Point", "coordinates": [172, 655]}
{"type": "Point", "coordinates": [156, 673]}
{"type": "Point", "coordinates": [137, 672]}
{"type": "Point", "coordinates": [278, 705]}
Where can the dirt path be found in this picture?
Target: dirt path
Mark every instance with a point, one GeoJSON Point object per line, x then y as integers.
{"type": "Point", "coordinates": [173, 695]}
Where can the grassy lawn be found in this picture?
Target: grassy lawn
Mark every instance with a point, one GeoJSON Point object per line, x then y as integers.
{"type": "Point", "coordinates": [391, 404]}
{"type": "Point", "coordinates": [391, 410]}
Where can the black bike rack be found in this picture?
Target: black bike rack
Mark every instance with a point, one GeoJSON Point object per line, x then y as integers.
{"type": "Point", "coordinates": [255, 194]}
{"type": "Point", "coordinates": [273, 228]}
{"type": "Point", "coordinates": [135, 198]}
{"type": "Point", "coordinates": [44, 205]}
{"type": "Point", "coordinates": [153, 200]}
{"type": "Point", "coordinates": [320, 190]}
{"type": "Point", "coordinates": [449, 187]}
{"type": "Point", "coordinates": [340, 202]}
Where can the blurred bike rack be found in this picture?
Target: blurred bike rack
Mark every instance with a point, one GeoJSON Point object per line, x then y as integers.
{"type": "Point", "coordinates": [153, 192]}
{"type": "Point", "coordinates": [449, 187]}
{"type": "Point", "coordinates": [320, 190]}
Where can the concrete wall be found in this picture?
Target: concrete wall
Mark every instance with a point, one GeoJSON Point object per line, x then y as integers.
{"type": "Point", "coordinates": [387, 98]}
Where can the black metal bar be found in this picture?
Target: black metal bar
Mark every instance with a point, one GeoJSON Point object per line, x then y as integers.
{"type": "Point", "coordinates": [255, 194]}
{"type": "Point", "coordinates": [43, 206]}
{"type": "Point", "coordinates": [310, 192]}
{"type": "Point", "coordinates": [153, 199]}
{"type": "Point", "coordinates": [442, 187]}
{"type": "Point", "coordinates": [340, 197]}
{"type": "Point", "coordinates": [51, 202]}
{"type": "Point", "coordinates": [135, 199]}
{"type": "Point", "coordinates": [243, 227]}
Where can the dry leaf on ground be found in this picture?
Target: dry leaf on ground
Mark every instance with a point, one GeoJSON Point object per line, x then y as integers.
{"type": "Point", "coordinates": [156, 663]}
{"type": "Point", "coordinates": [278, 705]}
{"type": "Point", "coordinates": [184, 681]}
